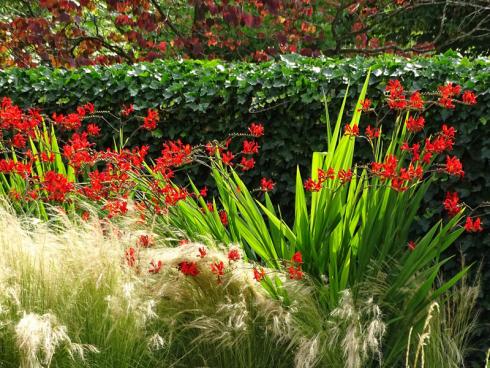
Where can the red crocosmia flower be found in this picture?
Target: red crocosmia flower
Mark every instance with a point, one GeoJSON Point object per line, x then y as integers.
{"type": "Point", "coordinates": [427, 157]}
{"type": "Point", "coordinates": [372, 133]}
{"type": "Point", "coordinates": [266, 185]}
{"type": "Point", "coordinates": [415, 125]}
{"type": "Point", "coordinates": [211, 149]}
{"type": "Point", "coordinates": [256, 130]}
{"type": "Point", "coordinates": [312, 186]}
{"type": "Point", "coordinates": [145, 241]}
{"type": "Point", "coordinates": [202, 252]}
{"type": "Point", "coordinates": [247, 163]}
{"type": "Point", "coordinates": [19, 141]}
{"type": "Point", "coordinates": [116, 207]}
{"type": "Point", "coordinates": [6, 166]}
{"type": "Point", "coordinates": [411, 245]}
{"type": "Point", "coordinates": [57, 186]}
{"type": "Point", "coordinates": [259, 275]}
{"type": "Point", "coordinates": [47, 158]}
{"type": "Point", "coordinates": [218, 268]}
{"type": "Point", "coordinates": [250, 147]}
{"type": "Point", "coordinates": [32, 195]}
{"type": "Point", "coordinates": [93, 130]}
{"type": "Point", "coordinates": [89, 107]}
{"type": "Point", "coordinates": [454, 166]}
{"type": "Point", "coordinates": [365, 104]}
{"type": "Point", "coordinates": [396, 99]}
{"type": "Point", "coordinates": [15, 194]}
{"type": "Point", "coordinates": [184, 241]}
{"type": "Point", "coordinates": [351, 130]}
{"type": "Point", "coordinates": [155, 267]}
{"type": "Point", "coordinates": [189, 268]}
{"type": "Point", "coordinates": [203, 192]}
{"type": "Point", "coordinates": [227, 158]}
{"type": "Point", "coordinates": [130, 256]}
{"type": "Point", "coordinates": [416, 101]}
{"type": "Point", "coordinates": [451, 203]}
{"type": "Point", "coordinates": [448, 132]}
{"type": "Point", "coordinates": [173, 154]}
{"type": "Point", "coordinates": [473, 226]}
{"type": "Point", "coordinates": [447, 93]}
{"type": "Point", "coordinates": [469, 98]}
{"type": "Point", "coordinates": [85, 216]}
{"type": "Point", "coordinates": [345, 175]}
{"type": "Point", "coordinates": [233, 255]}
{"type": "Point", "coordinates": [295, 273]}
{"type": "Point", "coordinates": [223, 217]}
{"type": "Point", "coordinates": [81, 111]}
{"type": "Point", "coordinates": [297, 257]}
{"type": "Point", "coordinates": [324, 175]}
{"type": "Point", "coordinates": [151, 120]}
{"type": "Point", "coordinates": [210, 206]}
{"type": "Point", "coordinates": [397, 184]}
{"type": "Point", "coordinates": [127, 110]}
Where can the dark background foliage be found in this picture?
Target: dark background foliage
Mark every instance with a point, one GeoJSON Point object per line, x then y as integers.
{"type": "Point", "coordinates": [200, 100]}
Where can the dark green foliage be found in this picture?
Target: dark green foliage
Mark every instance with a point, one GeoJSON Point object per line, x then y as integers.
{"type": "Point", "coordinates": [202, 100]}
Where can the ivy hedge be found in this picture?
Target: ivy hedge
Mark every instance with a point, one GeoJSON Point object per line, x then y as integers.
{"type": "Point", "coordinates": [200, 100]}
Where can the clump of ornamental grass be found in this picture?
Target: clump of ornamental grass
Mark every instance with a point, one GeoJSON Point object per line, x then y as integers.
{"type": "Point", "coordinates": [448, 329]}
{"type": "Point", "coordinates": [74, 294]}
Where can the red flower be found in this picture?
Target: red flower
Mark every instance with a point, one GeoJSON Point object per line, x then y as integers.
{"type": "Point", "coordinates": [396, 98]}
{"type": "Point", "coordinates": [324, 175]}
{"type": "Point", "coordinates": [184, 242]}
{"type": "Point", "coordinates": [250, 147]}
{"type": "Point", "coordinates": [344, 176]}
{"type": "Point", "coordinates": [247, 164]}
{"type": "Point", "coordinates": [57, 186]}
{"type": "Point", "coordinates": [93, 129]}
{"type": "Point", "coordinates": [211, 149]}
{"type": "Point", "coordinates": [227, 158]}
{"type": "Point", "coordinates": [145, 241]}
{"type": "Point", "coordinates": [312, 186]}
{"type": "Point", "coordinates": [447, 93]}
{"type": "Point", "coordinates": [295, 273]}
{"type": "Point", "coordinates": [365, 104]}
{"type": "Point", "coordinates": [397, 184]}
{"type": "Point", "coordinates": [151, 120]}
{"type": "Point", "coordinates": [351, 130]}
{"type": "Point", "coordinates": [130, 255]}
{"type": "Point", "coordinates": [203, 192]}
{"type": "Point", "coordinates": [218, 268]}
{"type": "Point", "coordinates": [416, 101]}
{"type": "Point", "coordinates": [297, 257]}
{"type": "Point", "coordinates": [223, 217]}
{"type": "Point", "coordinates": [116, 207]}
{"type": "Point", "coordinates": [257, 130]}
{"type": "Point", "coordinates": [415, 125]}
{"type": "Point", "coordinates": [155, 267]}
{"type": "Point", "coordinates": [372, 133]}
{"type": "Point", "coordinates": [259, 275]}
{"type": "Point", "coordinates": [202, 252]}
{"type": "Point", "coordinates": [210, 206]}
{"type": "Point", "coordinates": [189, 268]}
{"type": "Point", "coordinates": [233, 255]}
{"type": "Point", "coordinates": [473, 226]}
{"type": "Point", "coordinates": [266, 185]}
{"type": "Point", "coordinates": [411, 245]}
{"type": "Point", "coordinates": [451, 203]}
{"type": "Point", "coordinates": [469, 98]}
{"type": "Point", "coordinates": [127, 110]}
{"type": "Point", "coordinates": [19, 141]}
{"type": "Point", "coordinates": [454, 166]}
